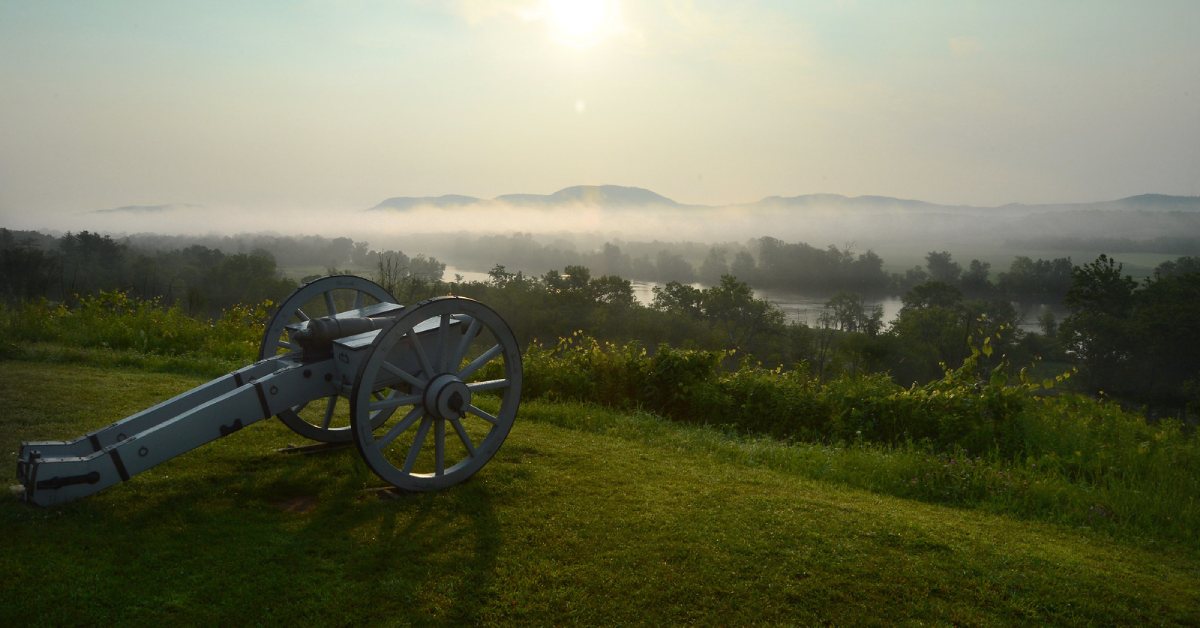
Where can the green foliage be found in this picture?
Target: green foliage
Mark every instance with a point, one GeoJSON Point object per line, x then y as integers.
{"type": "Point", "coordinates": [801, 266]}
{"type": "Point", "coordinates": [115, 322]}
{"type": "Point", "coordinates": [1037, 281]}
{"type": "Point", "coordinates": [975, 435]}
{"type": "Point", "coordinates": [1139, 342]}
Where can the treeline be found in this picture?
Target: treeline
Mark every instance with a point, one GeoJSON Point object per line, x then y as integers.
{"type": "Point", "coordinates": [932, 329]}
{"type": "Point", "coordinates": [200, 278]}
{"type": "Point", "coordinates": [763, 263]}
{"type": "Point", "coordinates": [300, 251]}
{"type": "Point", "coordinates": [562, 304]}
{"type": "Point", "coordinates": [1135, 342]}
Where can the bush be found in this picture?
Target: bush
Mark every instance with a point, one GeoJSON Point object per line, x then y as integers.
{"type": "Point", "coordinates": [967, 438]}
{"type": "Point", "coordinates": [115, 322]}
{"type": "Point", "coordinates": [1010, 444]}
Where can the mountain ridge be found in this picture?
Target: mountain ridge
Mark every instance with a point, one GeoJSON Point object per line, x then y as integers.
{"type": "Point", "coordinates": [628, 196]}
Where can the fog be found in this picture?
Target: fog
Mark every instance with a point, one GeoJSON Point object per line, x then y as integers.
{"type": "Point", "coordinates": [899, 230]}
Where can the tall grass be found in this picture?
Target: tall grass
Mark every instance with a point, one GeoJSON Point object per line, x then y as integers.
{"type": "Point", "coordinates": [113, 328]}
{"type": "Point", "coordinates": [973, 438]}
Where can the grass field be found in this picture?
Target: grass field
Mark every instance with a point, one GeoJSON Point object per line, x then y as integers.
{"type": "Point", "coordinates": [586, 516]}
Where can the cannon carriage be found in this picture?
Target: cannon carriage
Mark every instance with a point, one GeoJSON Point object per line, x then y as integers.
{"type": "Point", "coordinates": [427, 393]}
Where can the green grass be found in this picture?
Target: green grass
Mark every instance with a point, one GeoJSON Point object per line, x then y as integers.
{"type": "Point", "coordinates": [586, 515]}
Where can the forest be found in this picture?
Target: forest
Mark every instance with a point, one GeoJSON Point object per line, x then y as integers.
{"type": "Point", "coordinates": [1132, 341]}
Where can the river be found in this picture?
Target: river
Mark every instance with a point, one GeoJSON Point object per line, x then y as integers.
{"type": "Point", "coordinates": [797, 307]}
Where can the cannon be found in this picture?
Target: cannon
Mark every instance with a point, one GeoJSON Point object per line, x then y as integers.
{"type": "Point", "coordinates": [427, 393]}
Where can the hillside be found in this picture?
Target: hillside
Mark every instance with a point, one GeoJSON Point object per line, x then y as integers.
{"type": "Point", "coordinates": [617, 196]}
{"type": "Point", "coordinates": [585, 516]}
{"type": "Point", "coordinates": [597, 195]}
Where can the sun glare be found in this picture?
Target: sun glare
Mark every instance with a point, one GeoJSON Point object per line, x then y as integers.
{"type": "Point", "coordinates": [581, 23]}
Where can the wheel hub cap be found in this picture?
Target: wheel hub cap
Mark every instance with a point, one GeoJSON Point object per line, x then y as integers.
{"type": "Point", "coordinates": [447, 397]}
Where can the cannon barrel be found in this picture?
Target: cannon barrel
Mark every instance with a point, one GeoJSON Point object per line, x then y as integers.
{"type": "Point", "coordinates": [316, 339]}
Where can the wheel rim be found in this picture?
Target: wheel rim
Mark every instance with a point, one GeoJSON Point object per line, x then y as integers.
{"type": "Point", "coordinates": [325, 420]}
{"type": "Point", "coordinates": [458, 393]}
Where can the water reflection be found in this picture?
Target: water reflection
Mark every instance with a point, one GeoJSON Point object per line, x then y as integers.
{"type": "Point", "coordinates": [804, 309]}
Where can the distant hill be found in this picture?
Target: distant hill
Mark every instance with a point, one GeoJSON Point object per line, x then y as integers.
{"type": "Point", "coordinates": [839, 202]}
{"type": "Point", "coordinates": [1157, 202]}
{"type": "Point", "coordinates": [409, 202]}
{"type": "Point", "coordinates": [605, 195]}
{"type": "Point", "coordinates": [599, 195]}
{"type": "Point", "coordinates": [1143, 202]}
{"type": "Point", "coordinates": [617, 196]}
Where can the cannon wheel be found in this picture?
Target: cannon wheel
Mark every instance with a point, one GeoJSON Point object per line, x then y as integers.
{"type": "Point", "coordinates": [326, 296]}
{"type": "Point", "coordinates": [442, 435]}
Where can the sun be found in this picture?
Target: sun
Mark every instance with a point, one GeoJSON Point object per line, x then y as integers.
{"type": "Point", "coordinates": [581, 23]}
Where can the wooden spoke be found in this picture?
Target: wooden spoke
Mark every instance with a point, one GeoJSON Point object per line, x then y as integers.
{"type": "Point", "coordinates": [402, 374]}
{"type": "Point", "coordinates": [443, 338]}
{"type": "Point", "coordinates": [480, 361]}
{"type": "Point", "coordinates": [483, 414]}
{"type": "Point", "coordinates": [462, 436]}
{"type": "Point", "coordinates": [461, 351]}
{"type": "Point", "coordinates": [422, 357]}
{"type": "Point", "coordinates": [491, 384]}
{"type": "Point", "coordinates": [302, 315]}
{"type": "Point", "coordinates": [329, 412]}
{"type": "Point", "coordinates": [329, 304]}
{"type": "Point", "coordinates": [418, 442]}
{"type": "Point", "coordinates": [400, 428]}
{"type": "Point", "coordinates": [439, 448]}
{"type": "Point", "coordinates": [394, 402]}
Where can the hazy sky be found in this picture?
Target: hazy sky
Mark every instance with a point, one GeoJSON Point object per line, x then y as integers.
{"type": "Point", "coordinates": [338, 105]}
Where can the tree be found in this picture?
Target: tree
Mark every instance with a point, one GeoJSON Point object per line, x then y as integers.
{"type": "Point", "coordinates": [613, 261]}
{"type": "Point", "coordinates": [90, 262]}
{"type": "Point", "coordinates": [679, 298]}
{"type": "Point", "coordinates": [847, 312]}
{"type": "Point", "coordinates": [1167, 346]}
{"type": "Point", "coordinates": [975, 279]}
{"type": "Point", "coordinates": [743, 266]}
{"type": "Point", "coordinates": [1037, 281]}
{"type": "Point", "coordinates": [713, 266]}
{"type": "Point", "coordinates": [1098, 329]}
{"type": "Point", "coordinates": [1177, 267]}
{"type": "Point", "coordinates": [932, 294]}
{"type": "Point", "coordinates": [867, 272]}
{"type": "Point", "coordinates": [612, 290]}
{"type": "Point", "coordinates": [936, 324]}
{"type": "Point", "coordinates": [731, 307]}
{"type": "Point", "coordinates": [672, 267]}
{"type": "Point", "coordinates": [576, 278]}
{"type": "Point", "coordinates": [942, 268]}
{"type": "Point", "coordinates": [501, 277]}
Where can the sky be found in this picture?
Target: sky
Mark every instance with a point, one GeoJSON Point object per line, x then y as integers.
{"type": "Point", "coordinates": [328, 106]}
